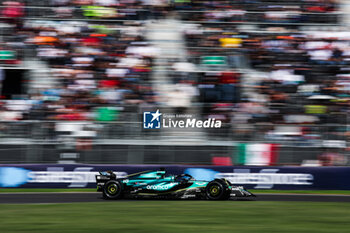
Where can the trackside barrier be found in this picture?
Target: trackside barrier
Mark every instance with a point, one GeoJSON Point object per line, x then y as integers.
{"type": "Point", "coordinates": [252, 177]}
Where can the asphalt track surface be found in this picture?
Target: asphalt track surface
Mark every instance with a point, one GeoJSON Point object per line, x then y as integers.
{"type": "Point", "coordinates": [32, 198]}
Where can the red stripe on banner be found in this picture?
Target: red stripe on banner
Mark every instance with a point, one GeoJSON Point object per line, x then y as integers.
{"type": "Point", "coordinates": [274, 154]}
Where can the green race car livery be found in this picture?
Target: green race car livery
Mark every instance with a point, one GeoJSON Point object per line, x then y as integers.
{"type": "Point", "coordinates": [156, 184]}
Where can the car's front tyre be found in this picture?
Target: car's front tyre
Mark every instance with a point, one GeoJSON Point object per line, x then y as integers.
{"type": "Point", "coordinates": [113, 189]}
{"type": "Point", "coordinates": [217, 190]}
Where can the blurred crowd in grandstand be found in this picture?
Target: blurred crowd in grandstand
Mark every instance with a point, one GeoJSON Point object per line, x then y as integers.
{"type": "Point", "coordinates": [265, 73]}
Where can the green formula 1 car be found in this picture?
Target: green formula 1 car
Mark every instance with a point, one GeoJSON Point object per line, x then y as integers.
{"type": "Point", "coordinates": [156, 184]}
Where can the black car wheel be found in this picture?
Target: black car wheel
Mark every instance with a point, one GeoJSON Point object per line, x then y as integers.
{"type": "Point", "coordinates": [113, 189]}
{"type": "Point", "coordinates": [217, 190]}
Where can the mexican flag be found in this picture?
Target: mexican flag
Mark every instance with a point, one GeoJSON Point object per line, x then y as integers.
{"type": "Point", "coordinates": [257, 154]}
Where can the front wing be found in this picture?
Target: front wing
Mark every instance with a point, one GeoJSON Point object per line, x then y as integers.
{"type": "Point", "coordinates": [240, 191]}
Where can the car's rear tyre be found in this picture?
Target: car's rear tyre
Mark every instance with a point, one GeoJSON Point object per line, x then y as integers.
{"type": "Point", "coordinates": [113, 189]}
{"type": "Point", "coordinates": [217, 190]}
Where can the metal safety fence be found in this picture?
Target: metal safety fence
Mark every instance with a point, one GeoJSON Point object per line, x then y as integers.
{"type": "Point", "coordinates": [208, 16]}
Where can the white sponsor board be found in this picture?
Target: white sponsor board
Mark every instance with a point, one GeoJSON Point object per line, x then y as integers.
{"type": "Point", "coordinates": [75, 178]}
{"type": "Point", "coordinates": [267, 178]}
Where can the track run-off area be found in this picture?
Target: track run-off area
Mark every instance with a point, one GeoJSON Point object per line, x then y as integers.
{"type": "Point", "coordinates": [32, 198]}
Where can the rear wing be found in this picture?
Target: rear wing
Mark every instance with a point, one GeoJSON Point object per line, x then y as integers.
{"type": "Point", "coordinates": [105, 175]}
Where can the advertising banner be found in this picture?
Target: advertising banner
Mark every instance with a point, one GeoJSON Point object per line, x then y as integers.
{"type": "Point", "coordinates": [252, 177]}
